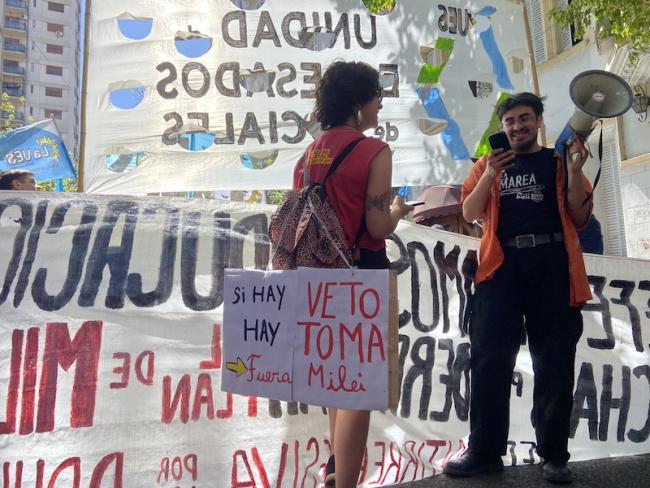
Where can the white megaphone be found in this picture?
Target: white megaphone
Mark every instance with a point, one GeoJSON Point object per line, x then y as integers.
{"type": "Point", "coordinates": [597, 95]}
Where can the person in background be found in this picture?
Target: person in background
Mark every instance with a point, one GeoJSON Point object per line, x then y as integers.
{"type": "Point", "coordinates": [18, 179]}
{"type": "Point", "coordinates": [531, 275]}
{"type": "Point", "coordinates": [348, 100]}
{"type": "Point", "coordinates": [591, 237]}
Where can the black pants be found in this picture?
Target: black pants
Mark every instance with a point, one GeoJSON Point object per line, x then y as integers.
{"type": "Point", "coordinates": [529, 292]}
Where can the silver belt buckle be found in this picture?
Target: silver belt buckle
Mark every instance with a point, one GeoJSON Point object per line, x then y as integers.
{"type": "Point", "coordinates": [525, 240]}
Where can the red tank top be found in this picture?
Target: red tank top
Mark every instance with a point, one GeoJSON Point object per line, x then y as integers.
{"type": "Point", "coordinates": [347, 187]}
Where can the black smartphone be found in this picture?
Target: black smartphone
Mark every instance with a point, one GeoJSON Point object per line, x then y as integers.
{"type": "Point", "coordinates": [499, 140]}
{"type": "Point", "coordinates": [414, 203]}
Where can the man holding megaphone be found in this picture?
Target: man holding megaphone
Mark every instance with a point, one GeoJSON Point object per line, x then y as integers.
{"type": "Point", "coordinates": [531, 276]}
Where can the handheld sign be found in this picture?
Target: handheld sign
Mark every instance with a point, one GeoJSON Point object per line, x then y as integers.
{"type": "Point", "coordinates": [256, 334]}
{"type": "Point", "coordinates": [318, 336]}
{"type": "Point", "coordinates": [341, 355]}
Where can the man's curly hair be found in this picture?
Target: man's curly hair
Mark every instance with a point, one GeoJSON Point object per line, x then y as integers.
{"type": "Point", "coordinates": [344, 87]}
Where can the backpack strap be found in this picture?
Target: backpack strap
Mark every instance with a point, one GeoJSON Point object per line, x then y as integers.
{"type": "Point", "coordinates": [339, 159]}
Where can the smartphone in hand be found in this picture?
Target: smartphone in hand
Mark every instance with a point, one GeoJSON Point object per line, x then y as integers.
{"type": "Point", "coordinates": [414, 203]}
{"type": "Point", "coordinates": [499, 140]}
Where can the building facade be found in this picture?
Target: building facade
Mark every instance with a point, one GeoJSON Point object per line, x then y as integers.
{"type": "Point", "coordinates": [40, 62]}
{"type": "Point", "coordinates": [622, 197]}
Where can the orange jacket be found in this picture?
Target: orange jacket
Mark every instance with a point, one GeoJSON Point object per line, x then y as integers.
{"type": "Point", "coordinates": [491, 254]}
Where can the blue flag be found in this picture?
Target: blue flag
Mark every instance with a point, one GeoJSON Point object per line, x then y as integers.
{"type": "Point", "coordinates": [37, 148]}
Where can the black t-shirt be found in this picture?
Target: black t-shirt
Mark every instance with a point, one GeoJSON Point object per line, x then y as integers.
{"type": "Point", "coordinates": [528, 203]}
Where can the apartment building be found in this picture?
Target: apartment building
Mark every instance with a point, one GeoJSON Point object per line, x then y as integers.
{"type": "Point", "coordinates": [40, 62]}
{"type": "Point", "coordinates": [622, 198]}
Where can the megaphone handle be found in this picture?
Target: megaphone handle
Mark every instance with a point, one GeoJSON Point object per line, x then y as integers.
{"type": "Point", "coordinates": [600, 163]}
{"type": "Point", "coordinates": [600, 167]}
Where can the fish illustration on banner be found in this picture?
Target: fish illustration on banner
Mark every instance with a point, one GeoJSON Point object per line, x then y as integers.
{"type": "Point", "coordinates": [37, 148]}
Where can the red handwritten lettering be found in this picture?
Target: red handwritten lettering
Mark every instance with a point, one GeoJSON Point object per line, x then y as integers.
{"type": "Point", "coordinates": [312, 442]}
{"type": "Point", "coordinates": [355, 337]}
{"type": "Point", "coordinates": [353, 298]}
{"type": "Point", "coordinates": [29, 382]}
{"type": "Point", "coordinates": [9, 425]}
{"type": "Point", "coordinates": [394, 463]}
{"type": "Point", "coordinates": [326, 299]}
{"type": "Point", "coordinates": [122, 370]}
{"type": "Point", "coordinates": [325, 354]}
{"type": "Point", "coordinates": [380, 463]}
{"type": "Point", "coordinates": [142, 378]}
{"type": "Point", "coordinates": [181, 397]}
{"type": "Point", "coordinates": [308, 326]}
{"type": "Point", "coordinates": [61, 351]}
{"type": "Point", "coordinates": [260, 468]}
{"type": "Point", "coordinates": [234, 477]}
{"type": "Point", "coordinates": [98, 473]}
{"type": "Point", "coordinates": [215, 362]}
{"type": "Point", "coordinates": [75, 464]}
{"type": "Point", "coordinates": [265, 376]}
{"type": "Point", "coordinates": [409, 447]}
{"type": "Point", "coordinates": [313, 303]}
{"type": "Point", "coordinates": [362, 303]}
{"type": "Point", "coordinates": [203, 396]}
{"type": "Point", "coordinates": [376, 341]}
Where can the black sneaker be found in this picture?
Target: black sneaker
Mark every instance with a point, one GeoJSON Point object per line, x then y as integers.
{"type": "Point", "coordinates": [471, 464]}
{"type": "Point", "coordinates": [557, 472]}
{"type": "Point", "coordinates": [329, 472]}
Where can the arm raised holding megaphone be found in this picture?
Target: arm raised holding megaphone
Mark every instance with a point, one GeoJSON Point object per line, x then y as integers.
{"type": "Point", "coordinates": [597, 95]}
{"type": "Point", "coordinates": [576, 193]}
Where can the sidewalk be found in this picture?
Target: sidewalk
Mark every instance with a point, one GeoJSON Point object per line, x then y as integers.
{"type": "Point", "coordinates": [619, 472]}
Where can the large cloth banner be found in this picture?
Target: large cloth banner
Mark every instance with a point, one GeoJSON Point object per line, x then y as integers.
{"type": "Point", "coordinates": [111, 353]}
{"type": "Point", "coordinates": [188, 95]}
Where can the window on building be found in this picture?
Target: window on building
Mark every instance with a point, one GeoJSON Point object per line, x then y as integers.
{"type": "Point", "coordinates": [549, 39]}
{"type": "Point", "coordinates": [54, 70]}
{"type": "Point", "coordinates": [54, 49]}
{"type": "Point", "coordinates": [11, 62]}
{"type": "Point", "coordinates": [55, 28]}
{"type": "Point", "coordinates": [31, 90]}
{"type": "Point", "coordinates": [57, 114]}
{"type": "Point", "coordinates": [55, 7]}
{"type": "Point", "coordinates": [53, 92]}
{"type": "Point", "coordinates": [31, 110]}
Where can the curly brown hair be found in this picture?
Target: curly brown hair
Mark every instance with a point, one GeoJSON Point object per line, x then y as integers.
{"type": "Point", "coordinates": [344, 87]}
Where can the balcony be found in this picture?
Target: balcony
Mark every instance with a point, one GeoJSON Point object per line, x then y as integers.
{"type": "Point", "coordinates": [17, 116]}
{"type": "Point", "coordinates": [13, 70]}
{"type": "Point", "coordinates": [16, 4]}
{"type": "Point", "coordinates": [16, 25]}
{"type": "Point", "coordinates": [13, 90]}
{"type": "Point", "coordinates": [15, 47]}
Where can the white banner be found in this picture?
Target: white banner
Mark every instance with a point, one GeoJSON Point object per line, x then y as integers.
{"type": "Point", "coordinates": [111, 357]}
{"type": "Point", "coordinates": [188, 95]}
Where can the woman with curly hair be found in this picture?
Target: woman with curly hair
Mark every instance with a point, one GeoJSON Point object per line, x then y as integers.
{"type": "Point", "coordinates": [348, 100]}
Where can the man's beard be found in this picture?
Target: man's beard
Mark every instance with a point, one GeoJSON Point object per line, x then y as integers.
{"type": "Point", "coordinates": [524, 146]}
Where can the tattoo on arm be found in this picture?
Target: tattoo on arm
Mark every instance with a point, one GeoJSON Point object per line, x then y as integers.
{"type": "Point", "coordinates": [378, 202]}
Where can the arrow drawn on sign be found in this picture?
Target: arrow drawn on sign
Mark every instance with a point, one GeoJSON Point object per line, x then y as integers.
{"type": "Point", "coordinates": [239, 368]}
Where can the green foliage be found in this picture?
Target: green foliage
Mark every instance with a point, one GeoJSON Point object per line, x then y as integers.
{"type": "Point", "coordinates": [275, 197]}
{"type": "Point", "coordinates": [8, 121]}
{"type": "Point", "coordinates": [379, 7]}
{"type": "Point", "coordinates": [626, 20]}
{"type": "Point", "coordinates": [69, 185]}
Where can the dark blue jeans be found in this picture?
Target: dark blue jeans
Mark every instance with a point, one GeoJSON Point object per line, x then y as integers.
{"type": "Point", "coordinates": [529, 293]}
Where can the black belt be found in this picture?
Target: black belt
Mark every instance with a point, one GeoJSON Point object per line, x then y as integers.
{"type": "Point", "coordinates": [532, 240]}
